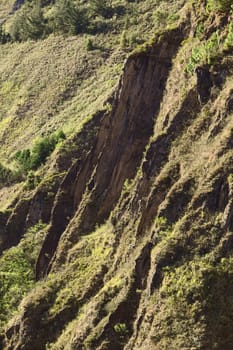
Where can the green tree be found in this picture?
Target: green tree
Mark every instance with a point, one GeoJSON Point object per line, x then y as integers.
{"type": "Point", "coordinates": [69, 18]}
{"type": "Point", "coordinates": [102, 8]}
{"type": "Point", "coordinates": [29, 23]}
{"type": "Point", "coordinates": [23, 159]}
{"type": "Point", "coordinates": [40, 151]}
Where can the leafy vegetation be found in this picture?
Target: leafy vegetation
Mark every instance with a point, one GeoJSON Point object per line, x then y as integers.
{"type": "Point", "coordinates": [101, 8]}
{"type": "Point", "coordinates": [69, 18]}
{"type": "Point", "coordinates": [4, 37]}
{"type": "Point", "coordinates": [17, 271]}
{"type": "Point", "coordinates": [204, 52]}
{"type": "Point", "coordinates": [7, 176]}
{"type": "Point", "coordinates": [29, 23]}
{"type": "Point", "coordinates": [90, 45]}
{"type": "Point", "coordinates": [228, 43]}
{"type": "Point", "coordinates": [161, 228]}
{"type": "Point", "coordinates": [31, 159]}
{"type": "Point", "coordinates": [34, 21]}
{"type": "Point", "coordinates": [219, 5]}
{"type": "Point", "coordinates": [121, 329]}
{"type": "Point", "coordinates": [193, 289]}
{"type": "Point", "coordinates": [32, 180]}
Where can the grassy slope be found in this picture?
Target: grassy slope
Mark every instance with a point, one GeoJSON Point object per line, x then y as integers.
{"type": "Point", "coordinates": [5, 7]}
{"type": "Point", "coordinates": [43, 85]}
{"type": "Point", "coordinates": [68, 290]}
{"type": "Point", "coordinates": [57, 83]}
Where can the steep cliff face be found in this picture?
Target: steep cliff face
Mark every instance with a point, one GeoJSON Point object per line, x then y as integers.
{"type": "Point", "coordinates": [138, 250]}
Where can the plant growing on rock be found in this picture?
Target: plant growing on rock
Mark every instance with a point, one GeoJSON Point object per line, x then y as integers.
{"type": "Point", "coordinates": [121, 329]}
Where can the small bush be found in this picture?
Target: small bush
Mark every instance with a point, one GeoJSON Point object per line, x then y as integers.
{"type": "Point", "coordinates": [90, 45]}
{"type": "Point", "coordinates": [32, 180]}
{"type": "Point", "coordinates": [8, 176]}
{"type": "Point", "coordinates": [23, 159]}
{"type": "Point", "coordinates": [42, 148]}
{"type": "Point", "coordinates": [160, 18]}
{"type": "Point", "coordinates": [5, 174]}
{"type": "Point", "coordinates": [29, 23]}
{"type": "Point", "coordinates": [31, 159]}
{"type": "Point", "coordinates": [121, 329]}
{"type": "Point", "coordinates": [229, 39]}
{"type": "Point", "coordinates": [123, 40]}
{"type": "Point", "coordinates": [4, 37]}
{"type": "Point", "coordinates": [101, 8]}
{"type": "Point", "coordinates": [204, 53]}
{"type": "Point", "coordinates": [69, 18]}
{"type": "Point", "coordinates": [219, 5]}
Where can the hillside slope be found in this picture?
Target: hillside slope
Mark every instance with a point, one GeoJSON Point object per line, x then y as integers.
{"type": "Point", "coordinates": [129, 225]}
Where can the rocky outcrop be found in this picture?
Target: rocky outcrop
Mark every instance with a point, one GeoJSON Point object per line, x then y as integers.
{"type": "Point", "coordinates": [27, 210]}
{"type": "Point", "coordinates": [121, 140]}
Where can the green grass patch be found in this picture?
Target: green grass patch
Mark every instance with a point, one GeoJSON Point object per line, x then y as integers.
{"type": "Point", "coordinates": [17, 271]}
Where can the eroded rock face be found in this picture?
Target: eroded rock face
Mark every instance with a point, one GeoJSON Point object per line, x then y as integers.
{"type": "Point", "coordinates": [27, 211]}
{"type": "Point", "coordinates": [121, 140]}
{"type": "Point", "coordinates": [163, 266]}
